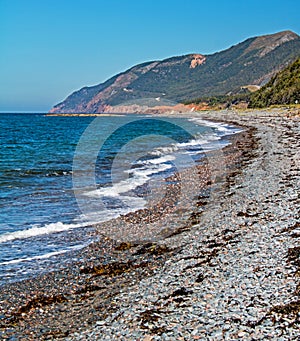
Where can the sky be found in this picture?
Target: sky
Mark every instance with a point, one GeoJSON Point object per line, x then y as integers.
{"type": "Point", "coordinates": [49, 48]}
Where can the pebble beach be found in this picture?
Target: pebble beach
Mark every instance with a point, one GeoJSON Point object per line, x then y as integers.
{"type": "Point", "coordinates": [229, 272]}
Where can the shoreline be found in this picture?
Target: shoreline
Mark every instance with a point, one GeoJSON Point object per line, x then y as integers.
{"type": "Point", "coordinates": [121, 290]}
{"type": "Point", "coordinates": [56, 260]}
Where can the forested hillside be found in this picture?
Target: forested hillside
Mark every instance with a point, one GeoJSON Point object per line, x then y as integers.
{"type": "Point", "coordinates": [283, 88]}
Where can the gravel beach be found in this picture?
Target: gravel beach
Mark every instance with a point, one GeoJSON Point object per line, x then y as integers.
{"type": "Point", "coordinates": [230, 272]}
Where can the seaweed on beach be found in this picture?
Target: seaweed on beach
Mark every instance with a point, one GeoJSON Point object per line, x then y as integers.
{"type": "Point", "coordinates": [94, 289]}
{"type": "Point", "coordinates": [112, 269]}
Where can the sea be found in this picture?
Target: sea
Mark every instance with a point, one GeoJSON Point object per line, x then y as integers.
{"type": "Point", "coordinates": [54, 168]}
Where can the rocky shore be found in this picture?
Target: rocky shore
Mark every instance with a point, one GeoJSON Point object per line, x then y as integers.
{"type": "Point", "coordinates": [230, 272]}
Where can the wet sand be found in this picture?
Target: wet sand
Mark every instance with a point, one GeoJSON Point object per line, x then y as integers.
{"type": "Point", "coordinates": [173, 283]}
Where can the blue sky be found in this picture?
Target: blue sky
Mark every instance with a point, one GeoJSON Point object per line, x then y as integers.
{"type": "Point", "coordinates": [49, 48]}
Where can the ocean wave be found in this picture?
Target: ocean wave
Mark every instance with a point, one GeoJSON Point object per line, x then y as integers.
{"type": "Point", "coordinates": [158, 160]}
{"type": "Point", "coordinates": [38, 231]}
{"type": "Point", "coordinates": [199, 144]}
{"type": "Point", "coordinates": [44, 256]}
{"type": "Point", "coordinates": [139, 177]}
{"type": "Point", "coordinates": [224, 128]}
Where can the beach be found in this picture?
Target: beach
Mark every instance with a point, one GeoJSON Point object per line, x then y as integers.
{"type": "Point", "coordinates": [230, 271]}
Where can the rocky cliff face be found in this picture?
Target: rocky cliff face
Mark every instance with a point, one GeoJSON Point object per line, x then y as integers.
{"type": "Point", "coordinates": [198, 59]}
{"type": "Point", "coordinates": [177, 79]}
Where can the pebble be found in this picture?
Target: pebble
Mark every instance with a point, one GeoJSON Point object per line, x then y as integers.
{"type": "Point", "coordinates": [245, 273]}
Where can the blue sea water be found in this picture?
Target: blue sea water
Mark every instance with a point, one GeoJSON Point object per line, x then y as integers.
{"type": "Point", "coordinates": [40, 219]}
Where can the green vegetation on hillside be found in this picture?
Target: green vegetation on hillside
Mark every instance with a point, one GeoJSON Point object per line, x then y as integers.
{"type": "Point", "coordinates": [283, 88]}
{"type": "Point", "coordinates": [222, 73]}
{"type": "Point", "coordinates": [226, 73]}
{"type": "Point", "coordinates": [222, 100]}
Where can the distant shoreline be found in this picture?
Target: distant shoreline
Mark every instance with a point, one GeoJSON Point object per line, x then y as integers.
{"type": "Point", "coordinates": [292, 110]}
{"type": "Point", "coordinates": [86, 115]}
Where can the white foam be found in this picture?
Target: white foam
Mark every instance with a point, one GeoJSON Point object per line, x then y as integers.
{"type": "Point", "coordinates": [130, 203]}
{"type": "Point", "coordinates": [140, 175]}
{"type": "Point", "coordinates": [139, 178]}
{"type": "Point", "coordinates": [146, 171]}
{"type": "Point", "coordinates": [198, 142]}
{"type": "Point", "coordinates": [117, 189]}
{"type": "Point", "coordinates": [122, 190]}
{"type": "Point", "coordinates": [225, 128]}
{"type": "Point", "coordinates": [38, 231]}
{"type": "Point", "coordinates": [158, 160]}
{"type": "Point", "coordinates": [202, 141]}
{"type": "Point", "coordinates": [45, 256]}
{"type": "Point", "coordinates": [165, 150]}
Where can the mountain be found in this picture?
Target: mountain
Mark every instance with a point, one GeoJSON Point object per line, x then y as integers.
{"type": "Point", "coordinates": [283, 88]}
{"type": "Point", "coordinates": [178, 79]}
